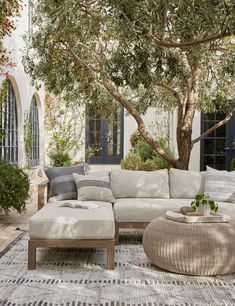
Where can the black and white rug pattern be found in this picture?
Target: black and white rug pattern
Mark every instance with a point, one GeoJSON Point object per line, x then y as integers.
{"type": "Point", "coordinates": [67, 277]}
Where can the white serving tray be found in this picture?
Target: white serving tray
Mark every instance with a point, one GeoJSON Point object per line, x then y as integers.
{"type": "Point", "coordinates": [213, 218]}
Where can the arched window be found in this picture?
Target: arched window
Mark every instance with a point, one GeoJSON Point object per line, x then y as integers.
{"type": "Point", "coordinates": [8, 124]}
{"type": "Point", "coordinates": [34, 121]}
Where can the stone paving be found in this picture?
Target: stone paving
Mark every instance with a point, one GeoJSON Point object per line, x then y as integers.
{"type": "Point", "coordinates": [12, 225]}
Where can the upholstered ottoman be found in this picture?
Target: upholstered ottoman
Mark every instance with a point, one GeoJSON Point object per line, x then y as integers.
{"type": "Point", "coordinates": [55, 226]}
{"type": "Point", "coordinates": [194, 249]}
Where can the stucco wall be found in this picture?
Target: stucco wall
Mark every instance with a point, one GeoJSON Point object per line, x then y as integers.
{"type": "Point", "coordinates": [21, 82]}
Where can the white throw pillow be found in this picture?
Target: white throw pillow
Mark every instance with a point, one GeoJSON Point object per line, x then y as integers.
{"type": "Point", "coordinates": [220, 185]}
{"type": "Point", "coordinates": [140, 184]}
{"type": "Point", "coordinates": [186, 184]}
{"type": "Point", "coordinates": [94, 187]}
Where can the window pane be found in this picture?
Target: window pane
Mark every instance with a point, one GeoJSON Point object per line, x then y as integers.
{"type": "Point", "coordinates": [34, 122]}
{"type": "Point", "coordinates": [9, 126]}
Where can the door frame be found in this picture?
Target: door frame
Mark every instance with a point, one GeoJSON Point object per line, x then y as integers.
{"type": "Point", "coordinates": [230, 136]}
{"type": "Point", "coordinates": [104, 158]}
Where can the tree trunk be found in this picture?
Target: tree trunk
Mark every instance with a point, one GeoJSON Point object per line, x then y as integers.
{"type": "Point", "coordinates": [186, 115]}
{"type": "Point", "coordinates": [184, 141]}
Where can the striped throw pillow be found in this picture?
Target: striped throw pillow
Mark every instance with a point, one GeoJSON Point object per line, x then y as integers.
{"type": "Point", "coordinates": [61, 181]}
{"type": "Point", "coordinates": [220, 185]}
{"type": "Point", "coordinates": [94, 186]}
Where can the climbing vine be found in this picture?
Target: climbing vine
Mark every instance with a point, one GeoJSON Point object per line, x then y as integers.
{"type": "Point", "coordinates": [28, 136]}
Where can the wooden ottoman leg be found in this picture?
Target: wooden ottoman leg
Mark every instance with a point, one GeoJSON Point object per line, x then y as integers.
{"type": "Point", "coordinates": [31, 256]}
{"type": "Point", "coordinates": [116, 233]}
{"type": "Point", "coordinates": [111, 255]}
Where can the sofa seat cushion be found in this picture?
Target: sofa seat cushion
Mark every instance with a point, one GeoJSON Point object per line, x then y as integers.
{"type": "Point", "coordinates": [55, 222]}
{"type": "Point", "coordinates": [145, 209]}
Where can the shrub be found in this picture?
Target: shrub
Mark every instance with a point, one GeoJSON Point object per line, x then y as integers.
{"type": "Point", "coordinates": [148, 154]}
{"type": "Point", "coordinates": [14, 187]}
{"type": "Point", "coordinates": [161, 162]}
{"type": "Point", "coordinates": [135, 138]}
{"type": "Point", "coordinates": [145, 151]}
{"type": "Point", "coordinates": [131, 162]}
{"type": "Point", "coordinates": [60, 159]}
{"type": "Point", "coordinates": [233, 164]}
{"type": "Point", "coordinates": [143, 157]}
{"type": "Point", "coordinates": [149, 165]}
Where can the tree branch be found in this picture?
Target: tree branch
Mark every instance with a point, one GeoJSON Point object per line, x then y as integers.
{"type": "Point", "coordinates": [113, 91]}
{"type": "Point", "coordinates": [187, 44]}
{"type": "Point", "coordinates": [141, 126]}
{"type": "Point", "coordinates": [80, 63]}
{"type": "Point", "coordinates": [213, 128]}
{"type": "Point", "coordinates": [173, 91]}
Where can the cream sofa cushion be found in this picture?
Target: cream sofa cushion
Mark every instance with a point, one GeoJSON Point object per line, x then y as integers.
{"type": "Point", "coordinates": [186, 184]}
{"type": "Point", "coordinates": [220, 185]}
{"type": "Point", "coordinates": [54, 222]}
{"type": "Point", "coordinates": [140, 184]}
{"type": "Point", "coordinates": [145, 210]}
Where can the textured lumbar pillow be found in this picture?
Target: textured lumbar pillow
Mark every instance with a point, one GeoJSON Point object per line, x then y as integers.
{"type": "Point", "coordinates": [220, 185]}
{"type": "Point", "coordinates": [94, 186]}
{"type": "Point", "coordinates": [61, 181]}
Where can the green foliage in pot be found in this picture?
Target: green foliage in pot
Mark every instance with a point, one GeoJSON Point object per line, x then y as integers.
{"type": "Point", "coordinates": [14, 187]}
{"type": "Point", "coordinates": [60, 159]}
{"type": "Point", "coordinates": [202, 199]}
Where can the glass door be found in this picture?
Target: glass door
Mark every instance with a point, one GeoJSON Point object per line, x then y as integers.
{"type": "Point", "coordinates": [104, 138]}
{"type": "Point", "coordinates": [218, 148]}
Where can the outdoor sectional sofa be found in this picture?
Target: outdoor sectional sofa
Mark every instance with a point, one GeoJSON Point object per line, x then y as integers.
{"type": "Point", "coordinates": [139, 197]}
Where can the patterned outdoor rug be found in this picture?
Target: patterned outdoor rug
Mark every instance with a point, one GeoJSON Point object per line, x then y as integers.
{"type": "Point", "coordinates": [79, 277]}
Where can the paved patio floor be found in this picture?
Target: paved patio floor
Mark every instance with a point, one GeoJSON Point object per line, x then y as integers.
{"type": "Point", "coordinates": [12, 225]}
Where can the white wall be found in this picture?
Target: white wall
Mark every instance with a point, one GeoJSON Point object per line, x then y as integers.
{"type": "Point", "coordinates": [22, 83]}
{"type": "Point", "coordinates": [194, 163]}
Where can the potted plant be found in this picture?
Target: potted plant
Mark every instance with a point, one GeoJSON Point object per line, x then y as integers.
{"type": "Point", "coordinates": [204, 204]}
{"type": "Point", "coordinates": [14, 187]}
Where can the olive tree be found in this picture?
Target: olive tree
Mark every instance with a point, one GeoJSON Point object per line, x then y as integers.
{"type": "Point", "coordinates": [172, 55]}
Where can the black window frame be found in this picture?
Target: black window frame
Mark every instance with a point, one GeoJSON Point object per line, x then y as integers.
{"type": "Point", "coordinates": [9, 143]}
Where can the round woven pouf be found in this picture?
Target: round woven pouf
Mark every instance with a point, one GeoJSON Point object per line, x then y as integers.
{"type": "Point", "coordinates": [193, 249]}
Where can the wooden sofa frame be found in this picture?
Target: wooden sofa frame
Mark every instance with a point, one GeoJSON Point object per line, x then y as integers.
{"type": "Point", "coordinates": [33, 244]}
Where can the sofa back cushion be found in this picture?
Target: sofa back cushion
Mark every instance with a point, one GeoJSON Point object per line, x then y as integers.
{"type": "Point", "coordinates": [61, 181]}
{"type": "Point", "coordinates": [220, 185]}
{"type": "Point", "coordinates": [186, 184]}
{"type": "Point", "coordinates": [140, 184]}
